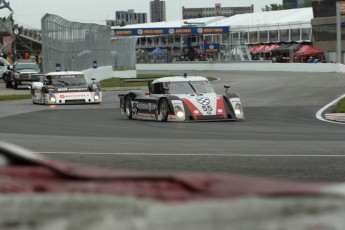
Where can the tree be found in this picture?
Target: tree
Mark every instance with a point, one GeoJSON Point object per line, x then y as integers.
{"type": "Point", "coordinates": [274, 7]}
{"type": "Point", "coordinates": [307, 4]}
{"type": "Point", "coordinates": [123, 23]}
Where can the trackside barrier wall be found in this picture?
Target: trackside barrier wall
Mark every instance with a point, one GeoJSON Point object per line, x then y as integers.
{"type": "Point", "coordinates": [106, 72]}
{"type": "Point", "coordinates": [249, 66]}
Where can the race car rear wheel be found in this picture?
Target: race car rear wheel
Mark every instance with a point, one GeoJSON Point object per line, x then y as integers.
{"type": "Point", "coordinates": [128, 108]}
{"type": "Point", "coordinates": [164, 109]}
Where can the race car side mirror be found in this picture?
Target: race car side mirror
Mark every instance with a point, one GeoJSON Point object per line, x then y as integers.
{"type": "Point", "coordinates": [226, 87]}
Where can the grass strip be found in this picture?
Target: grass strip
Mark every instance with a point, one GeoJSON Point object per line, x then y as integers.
{"type": "Point", "coordinates": [340, 106]}
{"type": "Point", "coordinates": [115, 82]}
{"type": "Point", "coordinates": [14, 97]}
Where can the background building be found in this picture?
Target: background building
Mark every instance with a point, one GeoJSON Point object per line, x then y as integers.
{"type": "Point", "coordinates": [157, 11]}
{"type": "Point", "coordinates": [324, 28]}
{"type": "Point", "coordinates": [129, 17]}
{"type": "Point", "coordinates": [188, 13]}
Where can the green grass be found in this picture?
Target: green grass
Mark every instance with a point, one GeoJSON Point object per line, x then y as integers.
{"type": "Point", "coordinates": [115, 82]}
{"type": "Point", "coordinates": [340, 106]}
{"type": "Point", "coordinates": [14, 97]}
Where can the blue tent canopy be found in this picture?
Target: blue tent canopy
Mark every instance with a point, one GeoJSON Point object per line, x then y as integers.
{"type": "Point", "coordinates": [157, 51]}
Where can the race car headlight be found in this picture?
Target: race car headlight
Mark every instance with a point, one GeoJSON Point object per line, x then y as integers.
{"type": "Point", "coordinates": [97, 95]}
{"type": "Point", "coordinates": [238, 109]}
{"type": "Point", "coordinates": [52, 97]}
{"type": "Point", "coordinates": [179, 112]}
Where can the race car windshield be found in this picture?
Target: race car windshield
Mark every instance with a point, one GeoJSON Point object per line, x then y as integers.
{"type": "Point", "coordinates": [69, 80]}
{"type": "Point", "coordinates": [190, 87]}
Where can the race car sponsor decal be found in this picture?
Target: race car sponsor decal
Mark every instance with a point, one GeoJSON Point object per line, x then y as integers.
{"type": "Point", "coordinates": [203, 100]}
{"type": "Point", "coordinates": [135, 109]}
{"type": "Point", "coordinates": [74, 95]}
{"type": "Point", "coordinates": [147, 106]}
{"type": "Point", "coordinates": [72, 89]}
{"type": "Point", "coordinates": [62, 96]}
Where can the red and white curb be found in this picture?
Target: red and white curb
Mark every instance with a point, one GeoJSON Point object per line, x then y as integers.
{"type": "Point", "coordinates": [335, 117]}
{"type": "Point", "coordinates": [321, 111]}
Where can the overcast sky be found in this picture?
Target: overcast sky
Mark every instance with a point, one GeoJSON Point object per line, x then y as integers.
{"type": "Point", "coordinates": [30, 12]}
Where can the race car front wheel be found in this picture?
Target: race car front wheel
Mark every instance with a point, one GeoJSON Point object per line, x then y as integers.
{"type": "Point", "coordinates": [164, 109]}
{"type": "Point", "coordinates": [128, 108]}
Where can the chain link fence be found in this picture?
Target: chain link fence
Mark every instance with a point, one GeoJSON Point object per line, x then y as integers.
{"type": "Point", "coordinates": [125, 56]}
{"type": "Point", "coordinates": [77, 46]}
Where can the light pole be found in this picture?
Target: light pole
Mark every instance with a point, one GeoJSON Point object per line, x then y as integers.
{"type": "Point", "coordinates": [339, 11]}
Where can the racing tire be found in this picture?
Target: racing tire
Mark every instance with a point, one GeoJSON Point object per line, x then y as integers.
{"type": "Point", "coordinates": [128, 108]}
{"type": "Point", "coordinates": [164, 110]}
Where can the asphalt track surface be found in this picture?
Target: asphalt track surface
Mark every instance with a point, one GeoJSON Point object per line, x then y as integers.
{"type": "Point", "coordinates": [281, 137]}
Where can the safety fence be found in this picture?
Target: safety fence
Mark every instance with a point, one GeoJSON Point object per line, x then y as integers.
{"type": "Point", "coordinates": [75, 46]}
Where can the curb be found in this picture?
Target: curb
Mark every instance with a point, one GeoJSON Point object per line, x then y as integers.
{"type": "Point", "coordinates": [339, 117]}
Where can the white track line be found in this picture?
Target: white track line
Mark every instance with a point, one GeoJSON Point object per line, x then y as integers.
{"type": "Point", "coordinates": [320, 112]}
{"type": "Point", "coordinates": [197, 154]}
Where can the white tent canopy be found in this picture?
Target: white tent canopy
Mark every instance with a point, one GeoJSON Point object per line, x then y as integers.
{"type": "Point", "coordinates": [177, 23]}
{"type": "Point", "coordinates": [272, 20]}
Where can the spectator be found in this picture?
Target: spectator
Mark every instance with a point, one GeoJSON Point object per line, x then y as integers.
{"type": "Point", "coordinates": [40, 60]}
{"type": "Point", "coordinates": [9, 58]}
{"type": "Point", "coordinates": [311, 59]}
{"type": "Point", "coordinates": [27, 55]}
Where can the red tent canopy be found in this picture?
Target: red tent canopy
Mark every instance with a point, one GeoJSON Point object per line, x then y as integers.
{"type": "Point", "coordinates": [308, 50]}
{"type": "Point", "coordinates": [254, 49]}
{"type": "Point", "coordinates": [259, 49]}
{"type": "Point", "coordinates": [270, 48]}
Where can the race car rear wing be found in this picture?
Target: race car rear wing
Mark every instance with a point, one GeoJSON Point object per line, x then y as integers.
{"type": "Point", "coordinates": [148, 80]}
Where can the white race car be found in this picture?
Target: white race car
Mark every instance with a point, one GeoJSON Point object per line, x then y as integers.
{"type": "Point", "coordinates": [65, 88]}
{"type": "Point", "coordinates": [180, 98]}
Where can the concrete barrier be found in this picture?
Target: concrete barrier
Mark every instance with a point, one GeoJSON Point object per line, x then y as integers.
{"type": "Point", "coordinates": [248, 66]}
{"type": "Point", "coordinates": [103, 73]}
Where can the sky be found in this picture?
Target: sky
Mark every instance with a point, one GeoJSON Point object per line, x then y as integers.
{"type": "Point", "coordinates": [28, 13]}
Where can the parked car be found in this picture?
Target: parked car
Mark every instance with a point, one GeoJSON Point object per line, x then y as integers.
{"type": "Point", "coordinates": [23, 72]}
{"type": "Point", "coordinates": [4, 70]}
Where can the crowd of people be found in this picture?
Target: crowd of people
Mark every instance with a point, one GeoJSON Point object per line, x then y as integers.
{"type": "Point", "coordinates": [11, 58]}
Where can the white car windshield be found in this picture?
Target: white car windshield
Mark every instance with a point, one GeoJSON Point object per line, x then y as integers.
{"type": "Point", "coordinates": [68, 80]}
{"type": "Point", "coordinates": [190, 87]}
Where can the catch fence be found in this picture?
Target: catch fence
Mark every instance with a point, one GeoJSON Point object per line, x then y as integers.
{"type": "Point", "coordinates": [75, 46]}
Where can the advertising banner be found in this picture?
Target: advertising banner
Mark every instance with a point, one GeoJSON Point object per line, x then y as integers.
{"type": "Point", "coordinates": [171, 31]}
{"type": "Point", "coordinates": [211, 48]}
